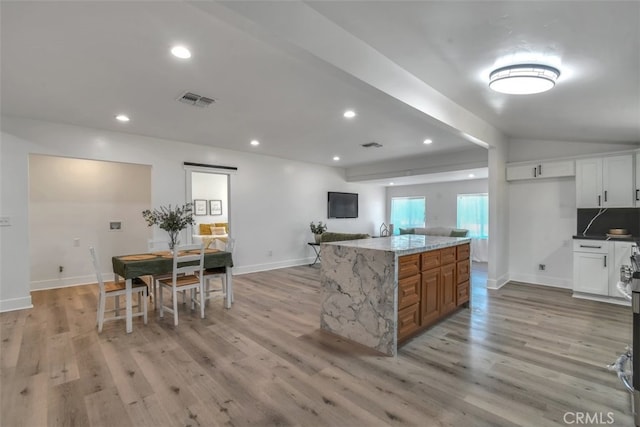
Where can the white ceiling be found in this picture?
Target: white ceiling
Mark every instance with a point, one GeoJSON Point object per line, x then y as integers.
{"type": "Point", "coordinates": [283, 72]}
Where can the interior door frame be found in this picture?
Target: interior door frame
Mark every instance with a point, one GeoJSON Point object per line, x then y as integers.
{"type": "Point", "coordinates": [229, 172]}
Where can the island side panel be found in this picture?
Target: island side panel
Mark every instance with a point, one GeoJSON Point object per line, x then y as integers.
{"type": "Point", "coordinates": [358, 294]}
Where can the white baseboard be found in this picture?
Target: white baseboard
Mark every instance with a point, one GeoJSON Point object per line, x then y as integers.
{"type": "Point", "coordinates": [272, 265]}
{"type": "Point", "coordinates": [66, 282]}
{"type": "Point", "coordinates": [13, 304]}
{"type": "Point", "coordinates": [499, 282]}
{"type": "Point", "coordinates": [600, 298]}
{"type": "Point", "coordinates": [536, 279]}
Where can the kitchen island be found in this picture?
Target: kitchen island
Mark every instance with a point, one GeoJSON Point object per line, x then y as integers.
{"type": "Point", "coordinates": [380, 292]}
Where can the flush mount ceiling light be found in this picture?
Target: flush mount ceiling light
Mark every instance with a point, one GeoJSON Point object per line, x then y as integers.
{"type": "Point", "coordinates": [523, 79]}
{"type": "Point", "coordinates": [181, 52]}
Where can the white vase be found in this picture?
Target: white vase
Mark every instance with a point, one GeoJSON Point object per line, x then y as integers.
{"type": "Point", "coordinates": [318, 237]}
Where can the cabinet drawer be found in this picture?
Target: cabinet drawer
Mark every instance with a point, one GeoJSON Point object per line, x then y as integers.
{"type": "Point", "coordinates": [409, 265]}
{"type": "Point", "coordinates": [430, 260]}
{"type": "Point", "coordinates": [463, 252]}
{"type": "Point", "coordinates": [408, 320]}
{"type": "Point", "coordinates": [463, 293]}
{"type": "Point", "coordinates": [593, 246]}
{"type": "Point", "coordinates": [448, 255]}
{"type": "Point", "coordinates": [408, 291]}
{"type": "Point", "coordinates": [462, 271]}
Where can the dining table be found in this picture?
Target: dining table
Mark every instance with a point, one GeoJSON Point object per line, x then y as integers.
{"type": "Point", "coordinates": [129, 267]}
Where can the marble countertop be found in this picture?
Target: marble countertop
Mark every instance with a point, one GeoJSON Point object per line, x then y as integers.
{"type": "Point", "coordinates": [404, 244]}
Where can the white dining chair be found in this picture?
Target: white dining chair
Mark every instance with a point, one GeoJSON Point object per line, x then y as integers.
{"type": "Point", "coordinates": [188, 264]}
{"type": "Point", "coordinates": [225, 289]}
{"type": "Point", "coordinates": [116, 290]}
{"type": "Point", "coordinates": [157, 245]}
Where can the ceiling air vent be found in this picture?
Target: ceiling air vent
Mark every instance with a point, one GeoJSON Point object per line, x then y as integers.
{"type": "Point", "coordinates": [196, 100]}
{"type": "Point", "coordinates": [372, 145]}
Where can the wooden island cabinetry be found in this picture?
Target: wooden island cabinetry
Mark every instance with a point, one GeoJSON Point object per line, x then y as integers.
{"type": "Point", "coordinates": [380, 292]}
{"type": "Point", "coordinates": [431, 285]}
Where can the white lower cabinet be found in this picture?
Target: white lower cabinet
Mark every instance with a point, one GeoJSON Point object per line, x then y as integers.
{"type": "Point", "coordinates": [596, 266]}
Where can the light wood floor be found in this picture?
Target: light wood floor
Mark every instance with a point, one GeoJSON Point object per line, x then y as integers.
{"type": "Point", "coordinates": [522, 356]}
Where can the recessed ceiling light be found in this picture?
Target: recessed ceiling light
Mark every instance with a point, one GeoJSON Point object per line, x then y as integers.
{"type": "Point", "coordinates": [471, 175]}
{"type": "Point", "coordinates": [349, 114]}
{"type": "Point", "coordinates": [255, 142]}
{"type": "Point", "coordinates": [391, 183]}
{"type": "Point", "coordinates": [523, 79]}
{"type": "Point", "coordinates": [336, 158]}
{"type": "Point", "coordinates": [427, 141]}
{"type": "Point", "coordinates": [181, 52]}
{"type": "Point", "coordinates": [122, 118]}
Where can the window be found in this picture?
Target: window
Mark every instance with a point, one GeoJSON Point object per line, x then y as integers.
{"type": "Point", "coordinates": [473, 214]}
{"type": "Point", "coordinates": [407, 212]}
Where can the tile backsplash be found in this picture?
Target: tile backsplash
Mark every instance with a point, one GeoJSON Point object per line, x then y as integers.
{"type": "Point", "coordinates": [628, 218]}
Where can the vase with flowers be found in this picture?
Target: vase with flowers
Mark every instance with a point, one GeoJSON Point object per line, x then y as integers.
{"type": "Point", "coordinates": [317, 230]}
{"type": "Point", "coordinates": [172, 220]}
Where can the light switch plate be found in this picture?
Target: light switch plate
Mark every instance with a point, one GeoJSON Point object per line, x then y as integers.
{"type": "Point", "coordinates": [5, 221]}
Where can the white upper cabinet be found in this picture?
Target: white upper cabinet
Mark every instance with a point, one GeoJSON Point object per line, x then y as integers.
{"type": "Point", "coordinates": [605, 182]}
{"type": "Point", "coordinates": [541, 170]}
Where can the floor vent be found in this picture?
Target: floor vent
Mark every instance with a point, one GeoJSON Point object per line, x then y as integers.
{"type": "Point", "coordinates": [372, 145]}
{"type": "Point", "coordinates": [196, 100]}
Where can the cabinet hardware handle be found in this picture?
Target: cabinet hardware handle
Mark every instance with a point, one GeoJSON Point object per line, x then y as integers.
{"type": "Point", "coordinates": [540, 170]}
{"type": "Point", "coordinates": [605, 260]}
{"type": "Point", "coordinates": [637, 196]}
{"type": "Point", "coordinates": [605, 195]}
{"type": "Point", "coordinates": [591, 246]}
{"type": "Point", "coordinates": [598, 200]}
{"type": "Point", "coordinates": [535, 172]}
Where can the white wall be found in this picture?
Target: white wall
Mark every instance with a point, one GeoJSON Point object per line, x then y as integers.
{"type": "Point", "coordinates": [441, 198]}
{"type": "Point", "coordinates": [542, 222]}
{"type": "Point", "coordinates": [73, 199]}
{"type": "Point", "coordinates": [273, 200]}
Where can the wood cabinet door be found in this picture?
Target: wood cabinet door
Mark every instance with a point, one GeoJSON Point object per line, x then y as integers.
{"type": "Point", "coordinates": [408, 321]}
{"type": "Point", "coordinates": [430, 260]}
{"type": "Point", "coordinates": [463, 252]}
{"type": "Point", "coordinates": [448, 255]}
{"type": "Point", "coordinates": [408, 291]}
{"type": "Point", "coordinates": [463, 271]}
{"type": "Point", "coordinates": [449, 288]}
{"type": "Point", "coordinates": [408, 265]}
{"type": "Point", "coordinates": [430, 299]}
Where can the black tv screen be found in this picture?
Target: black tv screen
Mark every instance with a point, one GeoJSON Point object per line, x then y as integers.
{"type": "Point", "coordinates": [342, 205]}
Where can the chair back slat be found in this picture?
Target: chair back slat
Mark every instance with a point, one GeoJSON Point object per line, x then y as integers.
{"type": "Point", "coordinates": [97, 268]}
{"type": "Point", "coordinates": [187, 261]}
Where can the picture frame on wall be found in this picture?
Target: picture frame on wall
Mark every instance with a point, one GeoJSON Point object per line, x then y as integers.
{"type": "Point", "coordinates": [199, 207]}
{"type": "Point", "coordinates": [215, 207]}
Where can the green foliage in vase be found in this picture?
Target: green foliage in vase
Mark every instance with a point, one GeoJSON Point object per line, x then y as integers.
{"type": "Point", "coordinates": [318, 229]}
{"type": "Point", "coordinates": [172, 220]}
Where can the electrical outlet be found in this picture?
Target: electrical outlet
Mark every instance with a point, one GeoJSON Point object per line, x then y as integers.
{"type": "Point", "coordinates": [542, 267]}
{"type": "Point", "coordinates": [60, 269]}
{"type": "Point", "coordinates": [269, 252]}
{"type": "Point", "coordinates": [76, 242]}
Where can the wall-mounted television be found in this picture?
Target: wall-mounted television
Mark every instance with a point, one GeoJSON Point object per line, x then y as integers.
{"type": "Point", "coordinates": [342, 205]}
